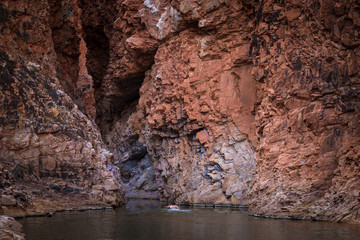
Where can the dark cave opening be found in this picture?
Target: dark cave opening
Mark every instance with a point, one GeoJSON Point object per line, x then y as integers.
{"type": "Point", "coordinates": [111, 107]}
{"type": "Point", "coordinates": [98, 53]}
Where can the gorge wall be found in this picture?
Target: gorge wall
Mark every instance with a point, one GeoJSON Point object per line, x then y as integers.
{"type": "Point", "coordinates": [51, 154]}
{"type": "Point", "coordinates": [194, 101]}
{"type": "Point", "coordinates": [308, 121]}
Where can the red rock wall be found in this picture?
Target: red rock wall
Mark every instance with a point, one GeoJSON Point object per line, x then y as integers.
{"type": "Point", "coordinates": [245, 102]}
{"type": "Point", "coordinates": [197, 101]}
{"type": "Point", "coordinates": [307, 56]}
{"type": "Point", "coordinates": [70, 48]}
{"type": "Point", "coordinates": [51, 154]}
{"type": "Point", "coordinates": [196, 106]}
{"type": "Point", "coordinates": [212, 102]}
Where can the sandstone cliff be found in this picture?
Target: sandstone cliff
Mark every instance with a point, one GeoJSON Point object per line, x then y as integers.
{"type": "Point", "coordinates": [199, 101]}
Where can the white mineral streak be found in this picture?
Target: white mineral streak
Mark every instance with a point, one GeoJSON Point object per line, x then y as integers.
{"type": "Point", "coordinates": [161, 21]}
{"type": "Point", "coordinates": [151, 4]}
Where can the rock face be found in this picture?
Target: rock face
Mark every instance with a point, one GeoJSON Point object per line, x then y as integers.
{"type": "Point", "coordinates": [308, 119]}
{"type": "Point", "coordinates": [132, 157]}
{"type": "Point", "coordinates": [212, 102]}
{"type": "Point", "coordinates": [51, 154]}
{"type": "Point", "coordinates": [190, 121]}
{"type": "Point", "coordinates": [198, 125]}
{"type": "Point", "coordinates": [243, 102]}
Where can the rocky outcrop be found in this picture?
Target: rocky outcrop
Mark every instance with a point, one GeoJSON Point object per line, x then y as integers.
{"type": "Point", "coordinates": [51, 154]}
{"type": "Point", "coordinates": [10, 229]}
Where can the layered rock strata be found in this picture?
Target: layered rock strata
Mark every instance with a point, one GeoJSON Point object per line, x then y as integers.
{"type": "Point", "coordinates": [51, 154]}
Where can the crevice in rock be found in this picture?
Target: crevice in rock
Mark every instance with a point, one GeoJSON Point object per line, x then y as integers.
{"type": "Point", "coordinates": [66, 44]}
{"type": "Point", "coordinates": [96, 21]}
{"type": "Point", "coordinates": [97, 61]}
{"type": "Point", "coordinates": [98, 53]}
{"type": "Point", "coordinates": [111, 106]}
{"type": "Point", "coordinates": [70, 50]}
{"type": "Point", "coordinates": [117, 63]}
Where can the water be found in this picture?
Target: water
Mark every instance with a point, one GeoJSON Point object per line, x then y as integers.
{"type": "Point", "coordinates": [148, 220]}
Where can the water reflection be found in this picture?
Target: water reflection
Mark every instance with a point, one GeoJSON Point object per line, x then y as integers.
{"type": "Point", "coordinates": [147, 220]}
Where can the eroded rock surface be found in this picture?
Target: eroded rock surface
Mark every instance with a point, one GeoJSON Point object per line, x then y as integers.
{"type": "Point", "coordinates": [51, 154]}
{"type": "Point", "coordinates": [198, 125]}
{"type": "Point", "coordinates": [196, 108]}
{"type": "Point", "coordinates": [132, 157]}
{"type": "Point", "coordinates": [308, 119]}
{"type": "Point", "coordinates": [242, 101]}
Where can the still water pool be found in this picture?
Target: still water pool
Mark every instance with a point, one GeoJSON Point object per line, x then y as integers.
{"type": "Point", "coordinates": [148, 220]}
